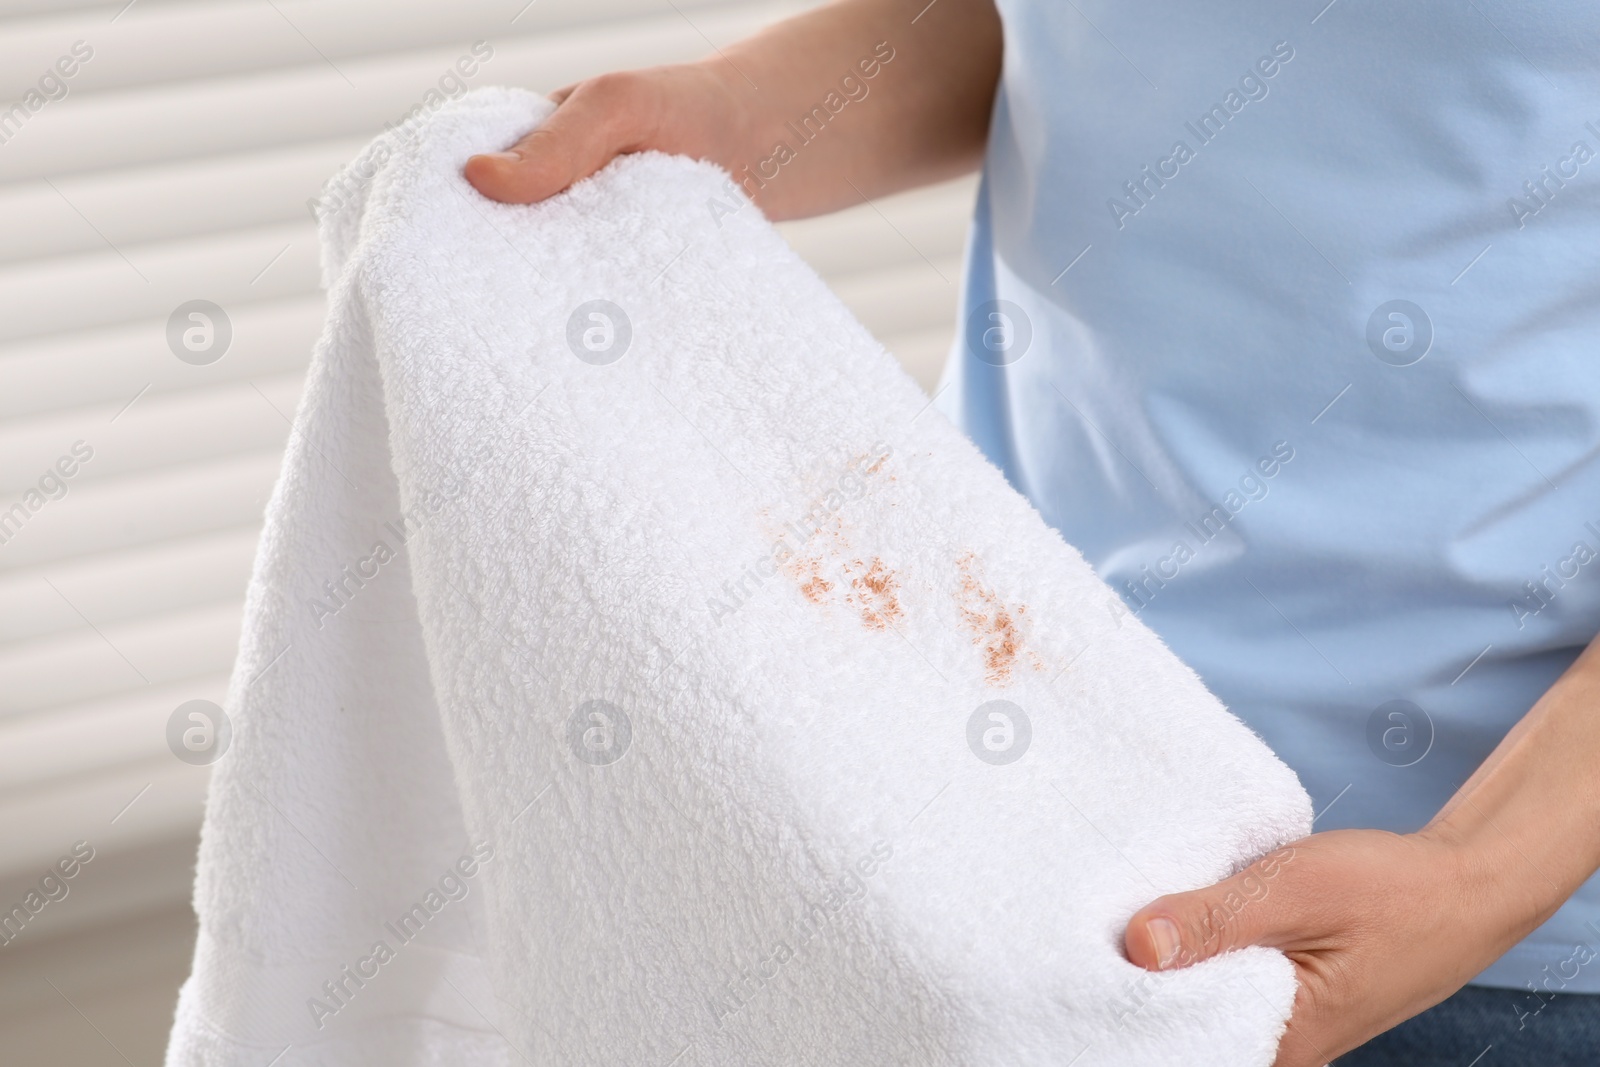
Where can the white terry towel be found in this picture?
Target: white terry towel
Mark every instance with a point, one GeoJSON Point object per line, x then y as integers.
{"type": "Point", "coordinates": [618, 673]}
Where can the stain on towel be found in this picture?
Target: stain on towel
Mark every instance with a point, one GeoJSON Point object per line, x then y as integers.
{"type": "Point", "coordinates": [815, 588]}
{"type": "Point", "coordinates": [876, 593]}
{"type": "Point", "coordinates": [998, 629]}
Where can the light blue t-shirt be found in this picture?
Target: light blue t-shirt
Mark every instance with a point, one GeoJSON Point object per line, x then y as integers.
{"type": "Point", "coordinates": [1290, 320]}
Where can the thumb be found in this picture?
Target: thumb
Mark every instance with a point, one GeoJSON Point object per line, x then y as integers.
{"type": "Point", "coordinates": [593, 122]}
{"type": "Point", "coordinates": [1184, 928]}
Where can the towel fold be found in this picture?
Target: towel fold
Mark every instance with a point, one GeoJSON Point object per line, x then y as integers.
{"type": "Point", "coordinates": [636, 669]}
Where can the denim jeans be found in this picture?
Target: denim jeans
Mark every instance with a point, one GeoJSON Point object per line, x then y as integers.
{"type": "Point", "coordinates": [1484, 1027]}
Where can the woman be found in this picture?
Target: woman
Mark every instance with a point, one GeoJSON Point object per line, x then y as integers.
{"type": "Point", "coordinates": [1282, 318]}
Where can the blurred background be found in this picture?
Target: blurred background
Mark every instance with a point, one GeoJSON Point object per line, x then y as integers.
{"type": "Point", "coordinates": [175, 164]}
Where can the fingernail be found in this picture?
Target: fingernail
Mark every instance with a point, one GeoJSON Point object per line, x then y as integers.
{"type": "Point", "coordinates": [1164, 933]}
{"type": "Point", "coordinates": [501, 157]}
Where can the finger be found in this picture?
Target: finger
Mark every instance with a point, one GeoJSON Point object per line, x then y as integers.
{"type": "Point", "coordinates": [593, 122]}
{"type": "Point", "coordinates": [1184, 928]}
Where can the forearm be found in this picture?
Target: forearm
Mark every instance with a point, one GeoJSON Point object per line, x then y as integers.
{"type": "Point", "coordinates": [1527, 823]}
{"type": "Point", "coordinates": [923, 115]}
{"type": "Point", "coordinates": [852, 100]}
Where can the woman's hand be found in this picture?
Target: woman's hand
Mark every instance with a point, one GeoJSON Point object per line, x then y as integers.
{"type": "Point", "coordinates": [687, 109]}
{"type": "Point", "coordinates": [853, 99]}
{"type": "Point", "coordinates": [1379, 926]}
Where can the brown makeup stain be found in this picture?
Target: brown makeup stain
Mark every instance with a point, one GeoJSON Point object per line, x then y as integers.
{"type": "Point", "coordinates": [805, 569]}
{"type": "Point", "coordinates": [816, 588]}
{"type": "Point", "coordinates": [996, 627]}
{"type": "Point", "coordinates": [823, 569]}
{"type": "Point", "coordinates": [877, 590]}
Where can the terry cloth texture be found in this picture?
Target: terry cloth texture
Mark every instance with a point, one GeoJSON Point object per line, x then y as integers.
{"type": "Point", "coordinates": [620, 672]}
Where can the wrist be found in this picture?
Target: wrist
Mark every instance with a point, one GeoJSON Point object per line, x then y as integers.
{"type": "Point", "coordinates": [1495, 864]}
{"type": "Point", "coordinates": [1497, 890]}
{"type": "Point", "coordinates": [729, 109]}
{"type": "Point", "coordinates": [1520, 831]}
